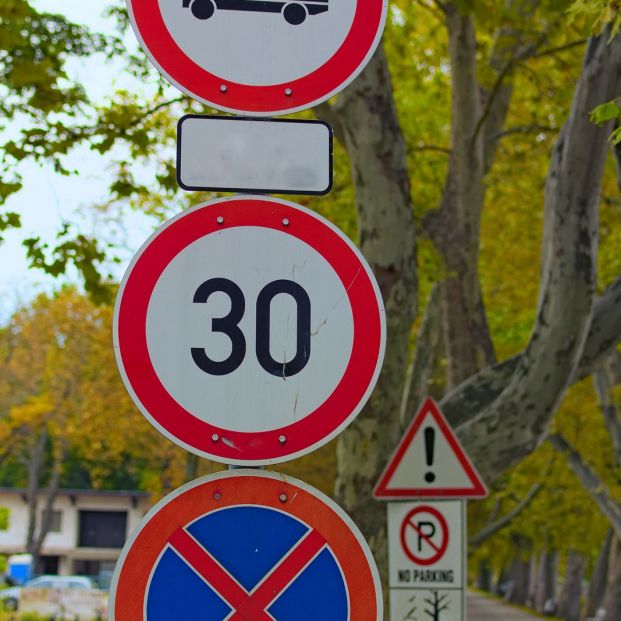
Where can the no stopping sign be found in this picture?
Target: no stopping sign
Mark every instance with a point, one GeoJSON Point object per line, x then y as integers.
{"type": "Point", "coordinates": [243, 545]}
{"type": "Point", "coordinates": [249, 330]}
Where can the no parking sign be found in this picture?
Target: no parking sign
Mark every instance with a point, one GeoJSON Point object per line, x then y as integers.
{"type": "Point", "coordinates": [246, 546]}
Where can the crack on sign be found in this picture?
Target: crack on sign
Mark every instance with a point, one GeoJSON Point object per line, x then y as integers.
{"type": "Point", "coordinates": [315, 332]}
{"type": "Point", "coordinates": [295, 404]}
{"type": "Point", "coordinates": [302, 266]}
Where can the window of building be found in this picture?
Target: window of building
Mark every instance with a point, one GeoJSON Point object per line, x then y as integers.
{"type": "Point", "coordinates": [56, 523]}
{"type": "Point", "coordinates": [102, 529]}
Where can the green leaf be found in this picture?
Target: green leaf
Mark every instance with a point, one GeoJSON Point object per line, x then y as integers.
{"type": "Point", "coordinates": [605, 112]}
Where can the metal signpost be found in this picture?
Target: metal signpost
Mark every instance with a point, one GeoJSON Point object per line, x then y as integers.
{"type": "Point", "coordinates": [249, 330]}
{"type": "Point", "coordinates": [245, 546]}
{"type": "Point", "coordinates": [427, 538]}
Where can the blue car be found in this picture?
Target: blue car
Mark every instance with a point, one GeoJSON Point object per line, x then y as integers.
{"type": "Point", "coordinates": [294, 12]}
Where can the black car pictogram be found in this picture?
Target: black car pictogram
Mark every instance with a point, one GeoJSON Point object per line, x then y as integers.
{"type": "Point", "coordinates": [293, 12]}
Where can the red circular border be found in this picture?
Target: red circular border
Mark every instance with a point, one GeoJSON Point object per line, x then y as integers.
{"type": "Point", "coordinates": [142, 551]}
{"type": "Point", "coordinates": [195, 434]}
{"type": "Point", "coordinates": [308, 90]}
{"type": "Point", "coordinates": [433, 559]}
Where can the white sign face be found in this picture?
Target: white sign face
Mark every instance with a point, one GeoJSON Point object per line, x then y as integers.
{"type": "Point", "coordinates": [176, 326]}
{"type": "Point", "coordinates": [259, 56]}
{"type": "Point", "coordinates": [427, 605]}
{"type": "Point", "coordinates": [426, 544]}
{"type": "Point", "coordinates": [247, 46]}
{"type": "Point", "coordinates": [240, 154]}
{"type": "Point", "coordinates": [249, 330]}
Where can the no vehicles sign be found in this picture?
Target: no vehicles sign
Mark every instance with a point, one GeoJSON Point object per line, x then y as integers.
{"type": "Point", "coordinates": [259, 56]}
{"type": "Point", "coordinates": [249, 330]}
{"type": "Point", "coordinates": [246, 545]}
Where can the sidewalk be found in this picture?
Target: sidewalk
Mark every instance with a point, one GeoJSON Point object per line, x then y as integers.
{"type": "Point", "coordinates": [481, 608]}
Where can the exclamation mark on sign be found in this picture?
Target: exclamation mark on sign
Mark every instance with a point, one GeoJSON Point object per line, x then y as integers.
{"type": "Point", "coordinates": [430, 441]}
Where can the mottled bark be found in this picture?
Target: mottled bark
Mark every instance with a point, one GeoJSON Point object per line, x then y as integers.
{"type": "Point", "coordinates": [481, 390]}
{"type": "Point", "coordinates": [569, 605]}
{"type": "Point", "coordinates": [599, 578]}
{"type": "Point", "coordinates": [518, 419]}
{"type": "Point", "coordinates": [376, 147]}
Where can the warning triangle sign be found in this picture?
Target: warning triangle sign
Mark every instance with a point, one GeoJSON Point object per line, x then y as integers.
{"type": "Point", "coordinates": [429, 462]}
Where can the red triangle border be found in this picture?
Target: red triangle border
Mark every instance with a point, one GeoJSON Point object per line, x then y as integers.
{"type": "Point", "coordinates": [478, 489]}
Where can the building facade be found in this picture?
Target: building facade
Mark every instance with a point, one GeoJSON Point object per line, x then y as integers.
{"type": "Point", "coordinates": [89, 528]}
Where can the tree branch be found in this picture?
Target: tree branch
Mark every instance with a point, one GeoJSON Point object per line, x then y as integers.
{"type": "Point", "coordinates": [421, 368]}
{"type": "Point", "coordinates": [517, 420]}
{"type": "Point", "coordinates": [491, 529]}
{"type": "Point", "coordinates": [603, 382]}
{"type": "Point", "coordinates": [592, 484]}
{"type": "Point", "coordinates": [523, 129]}
{"type": "Point", "coordinates": [480, 391]}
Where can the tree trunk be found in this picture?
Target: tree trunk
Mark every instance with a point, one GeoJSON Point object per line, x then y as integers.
{"type": "Point", "coordinates": [599, 578]}
{"type": "Point", "coordinates": [484, 581]}
{"type": "Point", "coordinates": [465, 330]}
{"type": "Point", "coordinates": [376, 146]}
{"type": "Point", "coordinates": [569, 606]}
{"type": "Point", "coordinates": [35, 467]}
{"type": "Point", "coordinates": [520, 574]}
{"type": "Point", "coordinates": [612, 598]}
{"type": "Point", "coordinates": [545, 589]}
{"type": "Point", "coordinates": [46, 518]}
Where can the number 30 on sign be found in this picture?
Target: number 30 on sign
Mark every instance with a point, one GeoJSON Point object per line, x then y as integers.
{"type": "Point", "coordinates": [249, 330]}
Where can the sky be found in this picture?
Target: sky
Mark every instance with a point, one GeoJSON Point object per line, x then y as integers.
{"type": "Point", "coordinates": [48, 199]}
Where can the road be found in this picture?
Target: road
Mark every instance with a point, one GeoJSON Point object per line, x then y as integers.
{"type": "Point", "coordinates": [483, 609]}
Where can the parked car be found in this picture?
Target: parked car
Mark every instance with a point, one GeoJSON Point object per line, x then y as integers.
{"type": "Point", "coordinates": [293, 12]}
{"type": "Point", "coordinates": [10, 597]}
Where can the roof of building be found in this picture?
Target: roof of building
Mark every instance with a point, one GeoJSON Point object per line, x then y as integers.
{"type": "Point", "coordinates": [82, 492]}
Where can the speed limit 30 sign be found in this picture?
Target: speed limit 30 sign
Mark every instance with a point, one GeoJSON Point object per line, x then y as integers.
{"type": "Point", "coordinates": [249, 330]}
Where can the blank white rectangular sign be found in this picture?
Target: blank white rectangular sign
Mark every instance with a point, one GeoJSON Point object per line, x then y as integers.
{"type": "Point", "coordinates": [254, 155]}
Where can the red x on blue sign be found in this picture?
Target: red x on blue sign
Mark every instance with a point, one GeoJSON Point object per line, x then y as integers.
{"type": "Point", "coordinates": [246, 546]}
